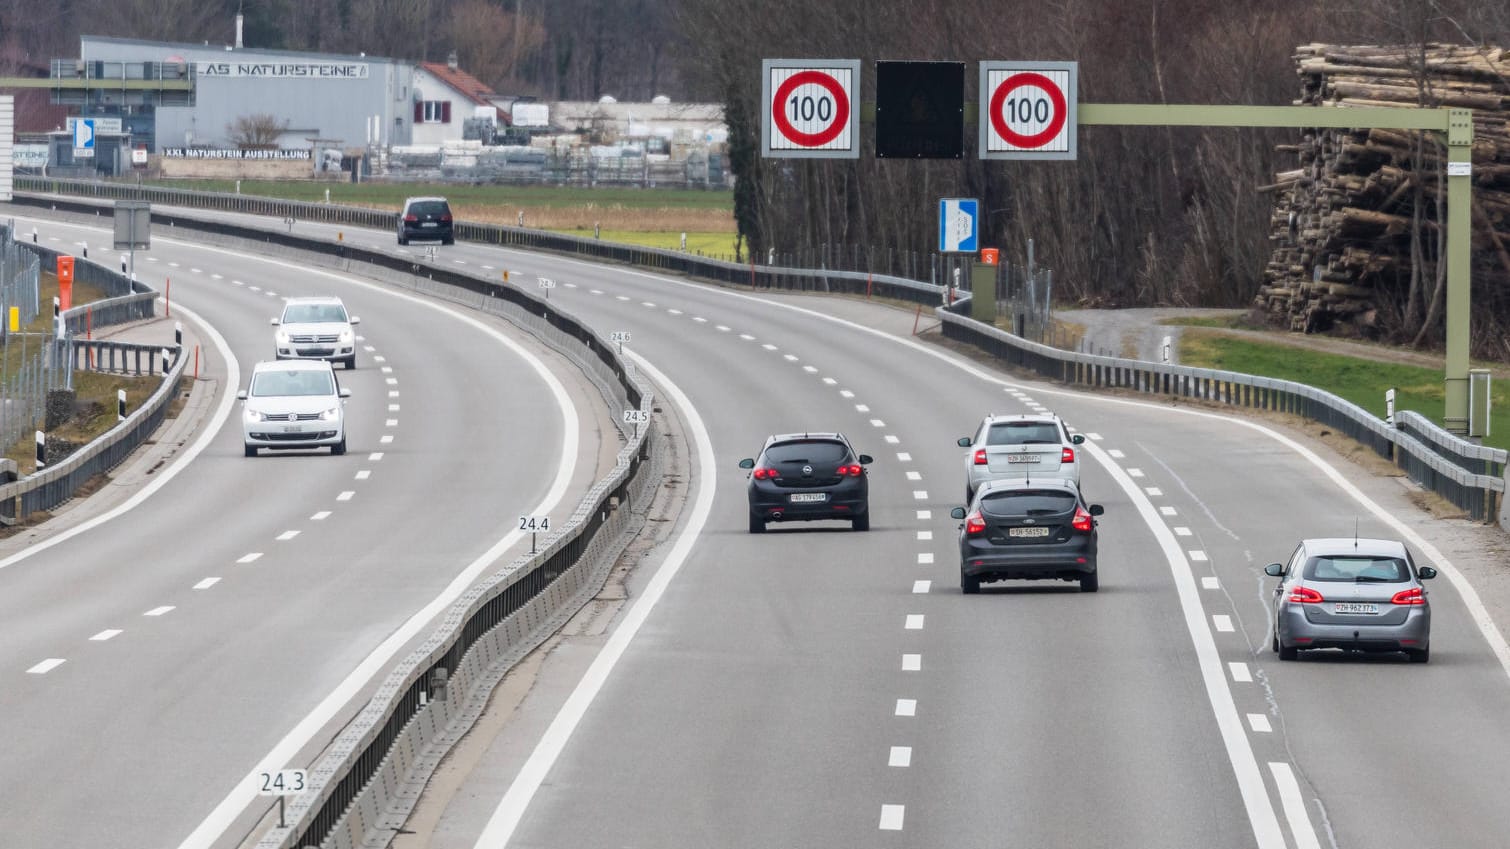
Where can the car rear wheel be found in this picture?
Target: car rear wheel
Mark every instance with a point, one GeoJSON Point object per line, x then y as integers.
{"type": "Point", "coordinates": [757, 524]}
{"type": "Point", "coordinates": [862, 521]}
{"type": "Point", "coordinates": [1090, 583]}
{"type": "Point", "coordinates": [1288, 652]}
{"type": "Point", "coordinates": [969, 584]}
{"type": "Point", "coordinates": [449, 240]}
{"type": "Point", "coordinates": [402, 240]}
{"type": "Point", "coordinates": [1419, 655]}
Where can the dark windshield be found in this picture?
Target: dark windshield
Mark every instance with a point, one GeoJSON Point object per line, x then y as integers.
{"type": "Point", "coordinates": [314, 314]}
{"type": "Point", "coordinates": [430, 207]}
{"type": "Point", "coordinates": [1020, 433]}
{"type": "Point", "coordinates": [1028, 502]}
{"type": "Point", "coordinates": [814, 452]}
{"type": "Point", "coordinates": [273, 384]}
{"type": "Point", "coordinates": [1353, 569]}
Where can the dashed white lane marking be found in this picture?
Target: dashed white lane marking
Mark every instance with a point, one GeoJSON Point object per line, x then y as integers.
{"type": "Point", "coordinates": [925, 514]}
{"type": "Point", "coordinates": [768, 346]}
{"type": "Point", "coordinates": [747, 337]}
{"type": "Point", "coordinates": [1294, 806]}
{"type": "Point", "coordinates": [810, 369]}
{"type": "Point", "coordinates": [1240, 672]}
{"type": "Point", "coordinates": [699, 319]}
{"type": "Point", "coordinates": [106, 634]}
{"type": "Point", "coordinates": [159, 611]}
{"type": "Point", "coordinates": [907, 707]}
{"type": "Point", "coordinates": [379, 358]}
{"type": "Point", "coordinates": [487, 268]}
{"type": "Point", "coordinates": [255, 288]}
{"type": "Point", "coordinates": [1223, 622]}
{"type": "Point", "coordinates": [152, 259]}
{"type": "Point", "coordinates": [172, 264]}
{"type": "Point", "coordinates": [1211, 582]}
{"type": "Point", "coordinates": [920, 494]}
{"type": "Point", "coordinates": [891, 440]}
{"type": "Point", "coordinates": [722, 328]}
{"type": "Point", "coordinates": [346, 495]}
{"type": "Point", "coordinates": [647, 304]}
{"type": "Point", "coordinates": [320, 516]}
{"type": "Point", "coordinates": [1166, 510]}
{"type": "Point", "coordinates": [1259, 723]}
{"type": "Point", "coordinates": [216, 277]}
{"type": "Point", "coordinates": [925, 557]}
{"type": "Point", "coordinates": [393, 393]}
{"type": "Point", "coordinates": [1116, 453]}
{"type": "Point", "coordinates": [622, 297]}
{"type": "Point", "coordinates": [1182, 532]}
{"type": "Point", "coordinates": [46, 666]}
{"type": "Point", "coordinates": [900, 756]}
{"type": "Point", "coordinates": [393, 408]}
{"type": "Point", "coordinates": [596, 291]}
{"type": "Point", "coordinates": [877, 423]}
{"type": "Point", "coordinates": [206, 583]}
{"type": "Point", "coordinates": [830, 381]}
{"type": "Point", "coordinates": [1135, 473]}
{"type": "Point", "coordinates": [921, 587]}
{"type": "Point", "coordinates": [391, 381]}
{"type": "Point", "coordinates": [390, 423]}
{"type": "Point", "coordinates": [892, 816]}
{"type": "Point", "coordinates": [195, 270]}
{"type": "Point", "coordinates": [270, 293]}
{"type": "Point", "coordinates": [791, 358]}
{"type": "Point", "coordinates": [862, 408]}
{"type": "Point", "coordinates": [249, 558]}
{"type": "Point", "coordinates": [368, 348]}
{"type": "Point", "coordinates": [912, 662]}
{"type": "Point", "coordinates": [1153, 491]}
{"type": "Point", "coordinates": [673, 312]}
{"type": "Point", "coordinates": [386, 439]}
{"type": "Point", "coordinates": [904, 457]}
{"type": "Point", "coordinates": [1196, 555]}
{"type": "Point", "coordinates": [386, 369]}
{"type": "Point", "coordinates": [914, 622]}
{"type": "Point", "coordinates": [375, 456]}
{"type": "Point", "coordinates": [238, 282]}
{"type": "Point", "coordinates": [914, 476]}
{"type": "Point", "coordinates": [286, 536]}
{"type": "Point", "coordinates": [925, 535]}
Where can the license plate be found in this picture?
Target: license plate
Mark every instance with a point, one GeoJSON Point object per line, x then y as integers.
{"type": "Point", "coordinates": [1353, 607]}
{"type": "Point", "coordinates": [291, 428]}
{"type": "Point", "coordinates": [1022, 458]}
{"type": "Point", "coordinates": [807, 497]}
{"type": "Point", "coordinates": [429, 224]}
{"type": "Point", "coordinates": [1027, 532]}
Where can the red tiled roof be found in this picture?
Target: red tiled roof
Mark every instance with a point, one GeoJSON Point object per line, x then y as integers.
{"type": "Point", "coordinates": [473, 88]}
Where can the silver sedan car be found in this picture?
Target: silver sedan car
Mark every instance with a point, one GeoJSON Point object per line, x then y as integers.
{"type": "Point", "coordinates": [294, 404]}
{"type": "Point", "coordinates": [1351, 594]}
{"type": "Point", "coordinates": [1020, 446]}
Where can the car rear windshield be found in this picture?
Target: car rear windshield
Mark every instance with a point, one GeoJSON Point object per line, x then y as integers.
{"type": "Point", "coordinates": [314, 314]}
{"type": "Point", "coordinates": [430, 207]}
{"type": "Point", "coordinates": [1352, 569]}
{"type": "Point", "coordinates": [273, 384]}
{"type": "Point", "coordinates": [816, 452]}
{"type": "Point", "coordinates": [1023, 433]}
{"type": "Point", "coordinates": [1028, 502]}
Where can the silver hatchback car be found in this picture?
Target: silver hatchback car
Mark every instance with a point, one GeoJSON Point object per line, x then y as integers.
{"type": "Point", "coordinates": [1017, 446]}
{"type": "Point", "coordinates": [1351, 594]}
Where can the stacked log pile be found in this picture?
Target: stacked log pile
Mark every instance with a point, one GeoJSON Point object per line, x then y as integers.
{"type": "Point", "coordinates": [1343, 219]}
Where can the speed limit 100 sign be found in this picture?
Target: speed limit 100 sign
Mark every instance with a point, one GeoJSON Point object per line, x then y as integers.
{"type": "Point", "coordinates": [1028, 110]}
{"type": "Point", "coordinates": [812, 108]}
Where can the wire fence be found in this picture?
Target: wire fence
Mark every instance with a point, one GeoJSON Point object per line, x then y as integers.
{"type": "Point", "coordinates": [27, 359]}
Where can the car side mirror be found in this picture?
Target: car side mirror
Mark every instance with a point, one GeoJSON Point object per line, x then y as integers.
{"type": "Point", "coordinates": [1078, 439]}
{"type": "Point", "coordinates": [866, 459]}
{"type": "Point", "coordinates": [344, 392]}
{"type": "Point", "coordinates": [964, 442]}
{"type": "Point", "coordinates": [747, 463]}
{"type": "Point", "coordinates": [957, 513]}
{"type": "Point", "coordinates": [1275, 570]}
{"type": "Point", "coordinates": [1426, 573]}
{"type": "Point", "coordinates": [1097, 510]}
{"type": "Point", "coordinates": [274, 322]}
{"type": "Point", "coordinates": [354, 320]}
{"type": "Point", "coordinates": [241, 395]}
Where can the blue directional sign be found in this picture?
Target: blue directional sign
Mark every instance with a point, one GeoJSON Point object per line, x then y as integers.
{"type": "Point", "coordinates": [83, 137]}
{"type": "Point", "coordinates": [959, 225]}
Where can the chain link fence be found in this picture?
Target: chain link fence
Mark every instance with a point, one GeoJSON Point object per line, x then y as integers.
{"type": "Point", "coordinates": [27, 359]}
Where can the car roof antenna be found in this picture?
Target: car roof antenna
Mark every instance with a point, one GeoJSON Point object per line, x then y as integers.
{"type": "Point", "coordinates": [1355, 532]}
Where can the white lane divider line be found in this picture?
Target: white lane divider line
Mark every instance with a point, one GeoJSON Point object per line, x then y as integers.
{"type": "Point", "coordinates": [1211, 582]}
{"type": "Point", "coordinates": [1196, 555]}
{"type": "Point", "coordinates": [320, 516]}
{"type": "Point", "coordinates": [1115, 453]}
{"type": "Point", "coordinates": [172, 264]}
{"type": "Point", "coordinates": [1153, 492]}
{"type": "Point", "coordinates": [390, 423]}
{"type": "Point", "coordinates": [925, 557]}
{"type": "Point", "coordinates": [159, 611]}
{"type": "Point", "coordinates": [829, 381]}
{"type": "Point", "coordinates": [904, 457]}
{"type": "Point", "coordinates": [238, 282]}
{"type": "Point", "coordinates": [1294, 806]}
{"type": "Point", "coordinates": [877, 423]}
{"type": "Point", "coordinates": [195, 270]}
{"type": "Point", "coordinates": [862, 408]}
{"type": "Point", "coordinates": [1240, 673]}
{"type": "Point", "coordinates": [901, 756]}
{"type": "Point", "coordinates": [255, 288]}
{"type": "Point", "coordinates": [375, 456]}
{"type": "Point", "coordinates": [747, 337]}
{"type": "Point", "coordinates": [622, 297]}
{"type": "Point", "coordinates": [924, 536]}
{"type": "Point", "coordinates": [768, 346]}
{"type": "Point", "coordinates": [206, 583]}
{"type": "Point", "coordinates": [46, 666]}
{"type": "Point", "coordinates": [920, 494]}
{"type": "Point", "coordinates": [346, 495]}
{"type": "Point", "coordinates": [907, 707]}
{"type": "Point", "coordinates": [1093, 435]}
{"type": "Point", "coordinates": [386, 439]}
{"type": "Point", "coordinates": [216, 277]}
{"type": "Point", "coordinates": [791, 358]}
{"type": "Point", "coordinates": [393, 393]}
{"type": "Point", "coordinates": [914, 622]}
{"type": "Point", "coordinates": [1222, 622]}
{"type": "Point", "coordinates": [647, 304]}
{"type": "Point", "coordinates": [892, 440]}
{"type": "Point", "coordinates": [379, 358]}
{"type": "Point", "coordinates": [386, 369]}
{"type": "Point", "coordinates": [699, 319]}
{"type": "Point", "coordinates": [1259, 723]}
{"type": "Point", "coordinates": [393, 408]}
{"type": "Point", "coordinates": [810, 369]}
{"type": "Point", "coordinates": [844, 393]}
{"type": "Point", "coordinates": [249, 558]}
{"type": "Point", "coordinates": [722, 328]}
{"type": "Point", "coordinates": [912, 662]}
{"type": "Point", "coordinates": [368, 348]}
{"type": "Point", "coordinates": [1166, 510]}
{"type": "Point", "coordinates": [925, 515]}
{"type": "Point", "coordinates": [286, 536]}
{"type": "Point", "coordinates": [914, 476]}
{"type": "Point", "coordinates": [1182, 532]}
{"type": "Point", "coordinates": [106, 634]}
{"type": "Point", "coordinates": [669, 311]}
{"type": "Point", "coordinates": [921, 587]}
{"type": "Point", "coordinates": [892, 816]}
{"type": "Point", "coordinates": [1135, 473]}
{"type": "Point", "coordinates": [364, 474]}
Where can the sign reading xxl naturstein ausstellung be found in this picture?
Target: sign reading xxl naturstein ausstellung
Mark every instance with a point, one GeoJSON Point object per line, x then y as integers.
{"type": "Point", "coordinates": [284, 70]}
{"type": "Point", "coordinates": [234, 153]}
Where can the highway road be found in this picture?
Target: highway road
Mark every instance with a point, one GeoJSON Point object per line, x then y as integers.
{"type": "Point", "coordinates": [152, 663]}
{"type": "Point", "coordinates": [818, 686]}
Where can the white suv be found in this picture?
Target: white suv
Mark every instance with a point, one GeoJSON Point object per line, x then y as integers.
{"type": "Point", "coordinates": [1018, 446]}
{"type": "Point", "coordinates": [316, 329]}
{"type": "Point", "coordinates": [295, 404]}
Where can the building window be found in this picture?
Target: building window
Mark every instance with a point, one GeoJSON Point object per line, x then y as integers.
{"type": "Point", "coordinates": [432, 112]}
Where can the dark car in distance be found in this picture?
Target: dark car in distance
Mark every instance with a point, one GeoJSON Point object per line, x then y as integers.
{"type": "Point", "coordinates": [808, 476]}
{"type": "Point", "coordinates": [426, 219]}
{"type": "Point", "coordinates": [1028, 529]}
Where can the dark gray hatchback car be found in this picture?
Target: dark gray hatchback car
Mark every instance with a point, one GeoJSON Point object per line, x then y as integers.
{"type": "Point", "coordinates": [426, 219]}
{"type": "Point", "coordinates": [1030, 529]}
{"type": "Point", "coordinates": [807, 476]}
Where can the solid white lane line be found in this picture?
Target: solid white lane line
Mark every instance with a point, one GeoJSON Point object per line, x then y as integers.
{"type": "Point", "coordinates": [1294, 806]}
{"type": "Point", "coordinates": [346, 495]}
{"type": "Point", "coordinates": [914, 476]}
{"type": "Point", "coordinates": [912, 662]}
{"type": "Point", "coordinates": [159, 611]}
{"type": "Point", "coordinates": [904, 457]}
{"type": "Point", "coordinates": [1240, 672]}
{"type": "Point", "coordinates": [1196, 555]}
{"type": "Point", "coordinates": [320, 516]}
{"type": "Point", "coordinates": [925, 557]}
{"type": "Point", "coordinates": [901, 756]}
{"type": "Point", "coordinates": [925, 514]}
{"type": "Point", "coordinates": [914, 622]}
{"type": "Point", "coordinates": [1259, 723]}
{"type": "Point", "coordinates": [286, 536]}
{"type": "Point", "coordinates": [892, 816]}
{"type": "Point", "coordinates": [923, 536]}
{"type": "Point", "coordinates": [46, 666]}
{"type": "Point", "coordinates": [1223, 622]}
{"type": "Point", "coordinates": [364, 474]}
{"type": "Point", "coordinates": [248, 558]}
{"type": "Point", "coordinates": [907, 707]}
{"type": "Point", "coordinates": [920, 494]}
{"type": "Point", "coordinates": [106, 634]}
{"type": "Point", "coordinates": [921, 586]}
{"type": "Point", "coordinates": [1211, 582]}
{"type": "Point", "coordinates": [206, 583]}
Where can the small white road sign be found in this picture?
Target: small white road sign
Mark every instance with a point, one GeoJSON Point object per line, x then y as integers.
{"type": "Point", "coordinates": [83, 138]}
{"type": "Point", "coordinates": [959, 225]}
{"type": "Point", "coordinates": [811, 108]}
{"type": "Point", "coordinates": [1028, 110]}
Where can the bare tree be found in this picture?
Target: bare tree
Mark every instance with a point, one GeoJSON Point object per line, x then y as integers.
{"type": "Point", "coordinates": [259, 131]}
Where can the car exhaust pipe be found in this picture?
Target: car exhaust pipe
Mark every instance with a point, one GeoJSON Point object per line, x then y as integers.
{"type": "Point", "coordinates": [775, 515]}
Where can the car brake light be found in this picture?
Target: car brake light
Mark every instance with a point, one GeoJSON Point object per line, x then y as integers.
{"type": "Point", "coordinates": [446, 218]}
{"type": "Point", "coordinates": [980, 457]}
{"type": "Point", "coordinates": [1067, 455]}
{"type": "Point", "coordinates": [975, 525]}
{"type": "Point", "coordinates": [411, 218]}
{"type": "Point", "coordinates": [1413, 595]}
{"type": "Point", "coordinates": [853, 470]}
{"type": "Point", "coordinates": [764, 474]}
{"type": "Point", "coordinates": [1082, 520]}
{"type": "Point", "coordinates": [1305, 595]}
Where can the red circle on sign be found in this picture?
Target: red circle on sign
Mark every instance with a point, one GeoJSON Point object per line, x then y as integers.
{"type": "Point", "coordinates": [1056, 100]}
{"type": "Point", "coordinates": [841, 109]}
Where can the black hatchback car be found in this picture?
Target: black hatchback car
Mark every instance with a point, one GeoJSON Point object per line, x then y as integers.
{"type": "Point", "coordinates": [426, 219]}
{"type": "Point", "coordinates": [1019, 528]}
{"type": "Point", "coordinates": [803, 476]}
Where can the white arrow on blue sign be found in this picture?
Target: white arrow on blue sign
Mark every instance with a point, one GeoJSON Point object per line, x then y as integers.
{"type": "Point", "coordinates": [83, 134]}
{"type": "Point", "coordinates": [959, 225]}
